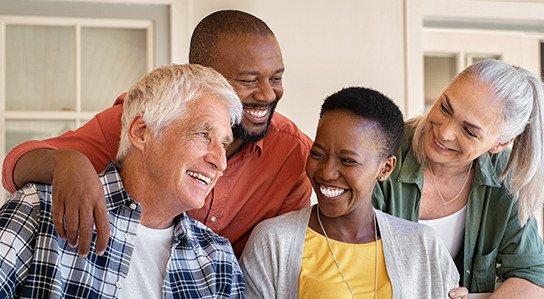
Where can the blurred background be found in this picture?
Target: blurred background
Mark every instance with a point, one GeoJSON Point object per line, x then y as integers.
{"type": "Point", "coordinates": [61, 62]}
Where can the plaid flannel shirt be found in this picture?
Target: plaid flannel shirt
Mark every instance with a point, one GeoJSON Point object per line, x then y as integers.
{"type": "Point", "coordinates": [36, 263]}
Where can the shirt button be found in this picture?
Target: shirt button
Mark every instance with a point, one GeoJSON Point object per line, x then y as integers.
{"type": "Point", "coordinates": [127, 235]}
{"type": "Point", "coordinates": [213, 219]}
{"type": "Point", "coordinates": [468, 272]}
{"type": "Point", "coordinates": [118, 284]}
{"type": "Point", "coordinates": [133, 206]}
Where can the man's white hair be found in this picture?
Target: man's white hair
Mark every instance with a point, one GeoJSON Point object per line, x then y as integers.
{"type": "Point", "coordinates": [162, 97]}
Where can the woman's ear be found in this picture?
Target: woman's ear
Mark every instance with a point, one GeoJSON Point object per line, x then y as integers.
{"type": "Point", "coordinates": [387, 167]}
{"type": "Point", "coordinates": [137, 130]}
{"type": "Point", "coordinates": [501, 146]}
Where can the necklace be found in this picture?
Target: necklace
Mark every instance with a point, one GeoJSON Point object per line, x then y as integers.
{"type": "Point", "coordinates": [338, 265]}
{"type": "Point", "coordinates": [460, 191]}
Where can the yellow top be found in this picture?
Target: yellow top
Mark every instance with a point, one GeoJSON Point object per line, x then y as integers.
{"type": "Point", "coordinates": [320, 277]}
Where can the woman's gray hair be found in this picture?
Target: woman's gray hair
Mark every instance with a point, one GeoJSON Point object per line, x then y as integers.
{"type": "Point", "coordinates": [162, 96]}
{"type": "Point", "coordinates": [521, 95]}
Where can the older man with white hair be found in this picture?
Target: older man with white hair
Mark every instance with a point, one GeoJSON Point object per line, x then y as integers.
{"type": "Point", "coordinates": [176, 125]}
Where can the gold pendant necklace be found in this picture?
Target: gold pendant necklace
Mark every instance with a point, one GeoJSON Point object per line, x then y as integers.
{"type": "Point", "coordinates": [338, 265]}
{"type": "Point", "coordinates": [462, 188]}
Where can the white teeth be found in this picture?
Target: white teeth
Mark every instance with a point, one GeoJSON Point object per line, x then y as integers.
{"type": "Point", "coordinates": [331, 192]}
{"type": "Point", "coordinates": [260, 113]}
{"type": "Point", "coordinates": [199, 176]}
{"type": "Point", "coordinates": [440, 144]}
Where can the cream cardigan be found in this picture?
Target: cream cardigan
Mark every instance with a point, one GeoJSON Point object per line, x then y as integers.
{"type": "Point", "coordinates": [417, 262]}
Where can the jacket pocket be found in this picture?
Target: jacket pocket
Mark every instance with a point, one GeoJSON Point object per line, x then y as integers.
{"type": "Point", "coordinates": [484, 272]}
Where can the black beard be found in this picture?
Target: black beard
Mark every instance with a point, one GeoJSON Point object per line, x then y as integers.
{"type": "Point", "coordinates": [239, 132]}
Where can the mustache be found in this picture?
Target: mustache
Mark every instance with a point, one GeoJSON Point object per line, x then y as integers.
{"type": "Point", "coordinates": [261, 105]}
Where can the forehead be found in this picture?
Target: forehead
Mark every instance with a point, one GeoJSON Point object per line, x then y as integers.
{"type": "Point", "coordinates": [243, 52]}
{"type": "Point", "coordinates": [345, 129]}
{"type": "Point", "coordinates": [207, 110]}
{"type": "Point", "coordinates": [474, 102]}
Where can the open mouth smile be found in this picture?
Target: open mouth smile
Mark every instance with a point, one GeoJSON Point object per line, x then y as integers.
{"type": "Point", "coordinates": [440, 145]}
{"type": "Point", "coordinates": [257, 113]}
{"type": "Point", "coordinates": [200, 177]}
{"type": "Point", "coordinates": [331, 192]}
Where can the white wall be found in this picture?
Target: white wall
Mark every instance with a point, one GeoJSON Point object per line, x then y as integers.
{"type": "Point", "coordinates": [326, 45]}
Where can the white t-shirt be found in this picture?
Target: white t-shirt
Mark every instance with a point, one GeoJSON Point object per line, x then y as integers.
{"type": "Point", "coordinates": [148, 263]}
{"type": "Point", "coordinates": [451, 229]}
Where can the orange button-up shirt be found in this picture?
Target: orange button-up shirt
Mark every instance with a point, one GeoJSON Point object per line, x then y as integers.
{"type": "Point", "coordinates": [262, 180]}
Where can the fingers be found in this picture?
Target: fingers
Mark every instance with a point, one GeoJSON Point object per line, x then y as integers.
{"type": "Point", "coordinates": [459, 293]}
{"type": "Point", "coordinates": [78, 201]}
{"type": "Point", "coordinates": [103, 232]}
{"type": "Point", "coordinates": [71, 219]}
{"type": "Point", "coordinates": [65, 218]}
{"type": "Point", "coordinates": [85, 232]}
{"type": "Point", "coordinates": [58, 218]}
{"type": "Point", "coordinates": [76, 227]}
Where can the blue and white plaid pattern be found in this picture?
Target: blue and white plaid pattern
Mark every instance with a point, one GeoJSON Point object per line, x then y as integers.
{"type": "Point", "coordinates": [36, 263]}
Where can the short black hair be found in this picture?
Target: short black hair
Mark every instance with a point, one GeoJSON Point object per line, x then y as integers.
{"type": "Point", "coordinates": [203, 48]}
{"type": "Point", "coordinates": [370, 104]}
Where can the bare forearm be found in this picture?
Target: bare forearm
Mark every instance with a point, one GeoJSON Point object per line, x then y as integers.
{"type": "Point", "coordinates": [39, 165]}
{"type": "Point", "coordinates": [34, 166]}
{"type": "Point", "coordinates": [518, 288]}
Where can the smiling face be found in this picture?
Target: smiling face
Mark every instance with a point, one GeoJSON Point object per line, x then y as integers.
{"type": "Point", "coordinates": [462, 124]}
{"type": "Point", "coordinates": [253, 65]}
{"type": "Point", "coordinates": [183, 164]}
{"type": "Point", "coordinates": [345, 162]}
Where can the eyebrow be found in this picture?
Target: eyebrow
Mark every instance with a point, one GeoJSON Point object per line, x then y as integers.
{"type": "Point", "coordinates": [211, 129]}
{"type": "Point", "coordinates": [344, 151]}
{"type": "Point", "coordinates": [466, 123]}
{"type": "Point", "coordinates": [254, 73]}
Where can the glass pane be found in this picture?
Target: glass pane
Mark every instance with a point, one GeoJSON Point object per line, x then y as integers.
{"type": "Point", "coordinates": [19, 131]}
{"type": "Point", "coordinates": [473, 58]}
{"type": "Point", "coordinates": [40, 68]}
{"type": "Point", "coordinates": [112, 59]}
{"type": "Point", "coordinates": [439, 72]}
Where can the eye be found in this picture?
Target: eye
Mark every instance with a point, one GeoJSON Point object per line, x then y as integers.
{"type": "Point", "coordinates": [248, 81]}
{"type": "Point", "coordinates": [444, 109]}
{"type": "Point", "coordinates": [275, 79]}
{"type": "Point", "coordinates": [469, 133]}
{"type": "Point", "coordinates": [348, 161]}
{"type": "Point", "coordinates": [205, 136]}
{"type": "Point", "coordinates": [316, 155]}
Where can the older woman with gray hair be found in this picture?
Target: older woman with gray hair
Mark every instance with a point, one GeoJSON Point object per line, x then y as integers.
{"type": "Point", "coordinates": [472, 168]}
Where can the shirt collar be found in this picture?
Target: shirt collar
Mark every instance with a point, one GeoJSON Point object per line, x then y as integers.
{"type": "Point", "coordinates": [251, 148]}
{"type": "Point", "coordinates": [114, 190]}
{"type": "Point", "coordinates": [116, 196]}
{"type": "Point", "coordinates": [183, 229]}
{"type": "Point", "coordinates": [486, 174]}
{"type": "Point", "coordinates": [412, 171]}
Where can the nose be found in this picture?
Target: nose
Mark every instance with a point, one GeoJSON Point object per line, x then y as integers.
{"type": "Point", "coordinates": [447, 130]}
{"type": "Point", "coordinates": [328, 170]}
{"type": "Point", "coordinates": [265, 92]}
{"type": "Point", "coordinates": [216, 156]}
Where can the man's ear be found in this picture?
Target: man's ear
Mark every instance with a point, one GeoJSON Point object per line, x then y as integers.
{"type": "Point", "coordinates": [137, 130]}
{"type": "Point", "coordinates": [387, 167]}
{"type": "Point", "coordinates": [501, 146]}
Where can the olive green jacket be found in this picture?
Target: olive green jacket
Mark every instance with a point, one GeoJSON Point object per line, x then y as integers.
{"type": "Point", "coordinates": [495, 244]}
